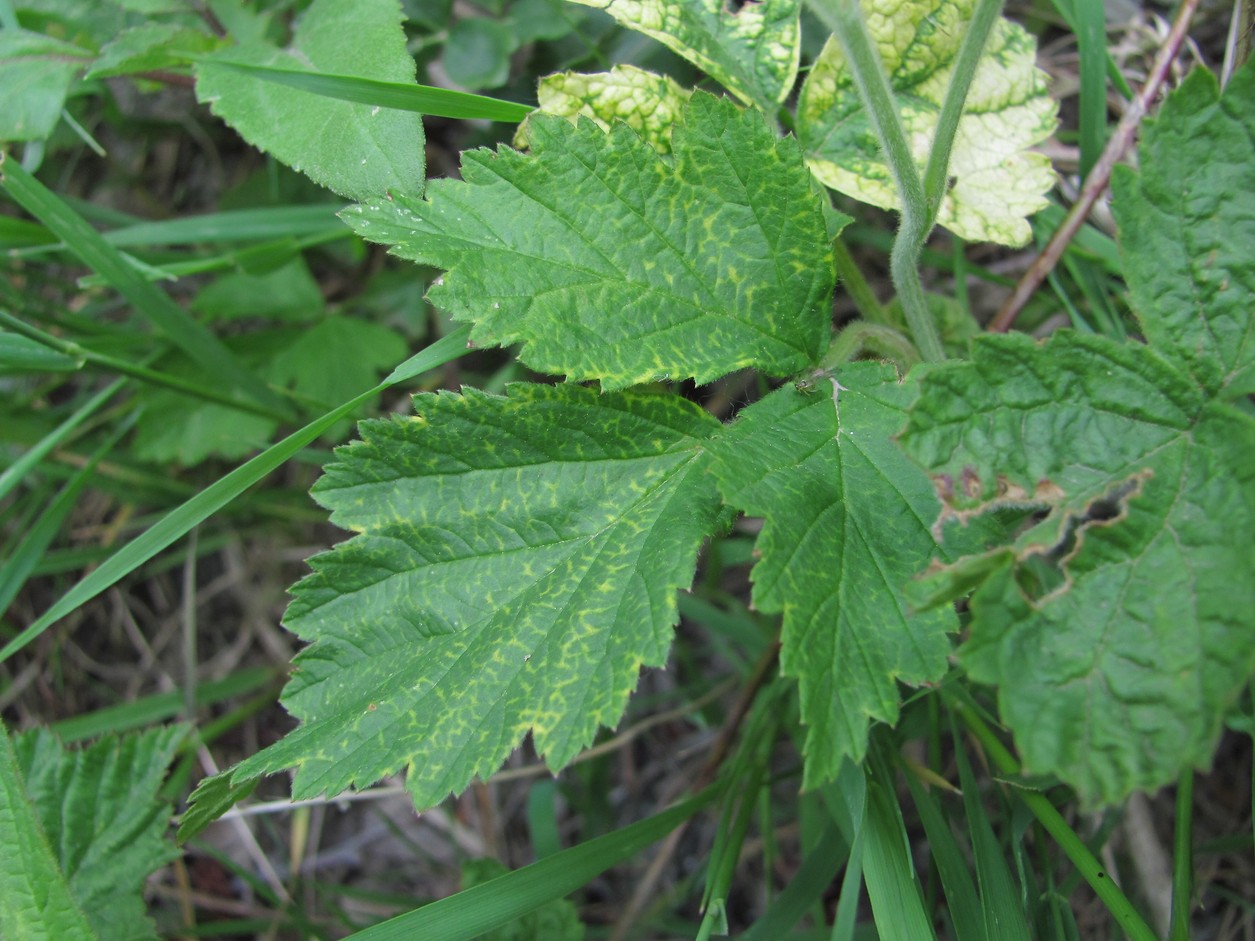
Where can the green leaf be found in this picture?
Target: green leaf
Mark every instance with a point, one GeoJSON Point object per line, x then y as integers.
{"type": "Point", "coordinates": [213, 797]}
{"type": "Point", "coordinates": [336, 357]}
{"type": "Point", "coordinates": [609, 261]}
{"type": "Point", "coordinates": [35, 900]}
{"type": "Point", "coordinates": [516, 565]}
{"type": "Point", "coordinates": [150, 47]}
{"type": "Point", "coordinates": [175, 427]}
{"type": "Point", "coordinates": [846, 526]}
{"type": "Point", "coordinates": [531, 20]}
{"type": "Point", "coordinates": [1186, 227]}
{"type": "Point", "coordinates": [356, 150]}
{"type": "Point", "coordinates": [752, 48]}
{"type": "Point", "coordinates": [287, 293]}
{"type": "Point", "coordinates": [997, 182]}
{"type": "Point", "coordinates": [477, 53]}
{"type": "Point", "coordinates": [98, 810]}
{"type": "Point", "coordinates": [649, 104]}
{"type": "Point", "coordinates": [1118, 628]}
{"type": "Point", "coordinates": [35, 73]}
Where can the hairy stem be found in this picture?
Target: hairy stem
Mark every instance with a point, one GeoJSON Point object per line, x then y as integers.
{"type": "Point", "coordinates": [856, 285]}
{"type": "Point", "coordinates": [862, 336]}
{"type": "Point", "coordinates": [873, 87]}
{"type": "Point", "coordinates": [920, 196]}
{"type": "Point", "coordinates": [965, 65]}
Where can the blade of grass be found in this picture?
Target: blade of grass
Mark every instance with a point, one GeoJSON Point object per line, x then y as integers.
{"type": "Point", "coordinates": [542, 819]}
{"type": "Point", "coordinates": [804, 890]}
{"type": "Point", "coordinates": [233, 225]}
{"type": "Point", "coordinates": [1065, 837]}
{"type": "Point", "coordinates": [289, 228]}
{"type": "Point", "coordinates": [148, 300]}
{"type": "Point", "coordinates": [141, 373]}
{"type": "Point", "coordinates": [16, 472]}
{"type": "Point", "coordinates": [26, 556]}
{"type": "Point", "coordinates": [263, 256]}
{"type": "Point", "coordinates": [1085, 275]}
{"type": "Point", "coordinates": [843, 923]}
{"type": "Point", "coordinates": [160, 706]}
{"type": "Point", "coordinates": [895, 895]}
{"type": "Point", "coordinates": [1091, 41]}
{"type": "Point", "coordinates": [179, 521]}
{"type": "Point", "coordinates": [22, 354]}
{"type": "Point", "coordinates": [1183, 860]}
{"type": "Point", "coordinates": [1000, 900]}
{"type": "Point", "coordinates": [500, 901]}
{"type": "Point", "coordinates": [1110, 65]}
{"type": "Point", "coordinates": [846, 800]}
{"type": "Point", "coordinates": [961, 898]}
{"type": "Point", "coordinates": [424, 99]}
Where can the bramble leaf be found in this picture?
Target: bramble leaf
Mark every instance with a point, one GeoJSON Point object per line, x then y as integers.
{"type": "Point", "coordinates": [150, 47]}
{"type": "Point", "coordinates": [846, 526]}
{"type": "Point", "coordinates": [752, 49]}
{"type": "Point", "coordinates": [997, 182]}
{"type": "Point", "coordinates": [356, 150]}
{"type": "Point", "coordinates": [35, 899]}
{"type": "Point", "coordinates": [96, 809]}
{"type": "Point", "coordinates": [1187, 234]}
{"type": "Point", "coordinates": [35, 73]}
{"type": "Point", "coordinates": [516, 565]}
{"type": "Point", "coordinates": [609, 261]}
{"type": "Point", "coordinates": [1117, 629]}
{"type": "Point", "coordinates": [649, 104]}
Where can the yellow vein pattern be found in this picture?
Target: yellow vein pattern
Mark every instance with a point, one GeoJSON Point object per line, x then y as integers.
{"type": "Point", "coordinates": [607, 260]}
{"type": "Point", "coordinates": [847, 522]}
{"type": "Point", "coordinates": [515, 566]}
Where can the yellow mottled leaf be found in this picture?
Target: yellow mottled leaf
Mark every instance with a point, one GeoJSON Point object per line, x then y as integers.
{"type": "Point", "coordinates": [996, 181]}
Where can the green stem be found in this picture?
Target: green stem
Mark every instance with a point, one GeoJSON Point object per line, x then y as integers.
{"type": "Point", "coordinates": [856, 285]}
{"type": "Point", "coordinates": [1183, 861]}
{"type": "Point", "coordinates": [1064, 836]}
{"type": "Point", "coordinates": [873, 86]}
{"type": "Point", "coordinates": [124, 368]}
{"type": "Point", "coordinates": [936, 178]}
{"type": "Point", "coordinates": [861, 336]}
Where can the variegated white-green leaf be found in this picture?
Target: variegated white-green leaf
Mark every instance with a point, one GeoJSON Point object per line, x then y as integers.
{"type": "Point", "coordinates": [750, 48]}
{"type": "Point", "coordinates": [649, 104]}
{"type": "Point", "coordinates": [996, 181]}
